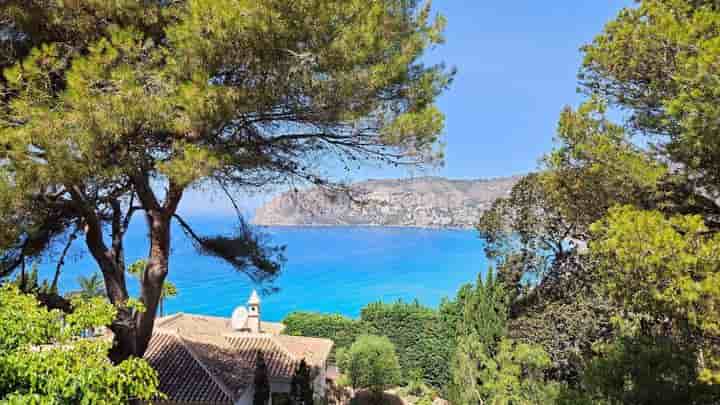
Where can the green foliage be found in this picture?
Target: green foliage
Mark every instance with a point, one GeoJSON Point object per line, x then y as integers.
{"type": "Point", "coordinates": [513, 375]}
{"type": "Point", "coordinates": [653, 268]}
{"type": "Point", "coordinates": [171, 85]}
{"type": "Point", "coordinates": [371, 362]}
{"type": "Point", "coordinates": [666, 269]}
{"type": "Point", "coordinates": [28, 283]}
{"type": "Point", "coordinates": [655, 369]}
{"type": "Point", "coordinates": [92, 286]}
{"type": "Point", "coordinates": [43, 360]}
{"type": "Point", "coordinates": [415, 385]}
{"type": "Point", "coordinates": [485, 312]}
{"type": "Point", "coordinates": [169, 289]}
{"type": "Point", "coordinates": [341, 330]}
{"type": "Point", "coordinates": [423, 341]}
{"type": "Point", "coordinates": [655, 61]}
{"type": "Point", "coordinates": [100, 102]}
{"type": "Point", "coordinates": [488, 367]}
{"type": "Point", "coordinates": [482, 325]}
{"type": "Point", "coordinates": [424, 338]}
{"type": "Point", "coordinates": [527, 224]}
{"type": "Point", "coordinates": [596, 165]}
{"type": "Point", "coordinates": [567, 329]}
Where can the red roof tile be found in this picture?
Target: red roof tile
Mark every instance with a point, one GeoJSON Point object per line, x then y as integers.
{"type": "Point", "coordinates": [208, 325]}
{"type": "Point", "coordinates": [198, 360]}
{"type": "Point", "coordinates": [279, 361]}
{"type": "Point", "coordinates": [181, 377]}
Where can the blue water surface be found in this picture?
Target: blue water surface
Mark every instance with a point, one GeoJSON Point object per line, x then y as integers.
{"type": "Point", "coordinates": [329, 269]}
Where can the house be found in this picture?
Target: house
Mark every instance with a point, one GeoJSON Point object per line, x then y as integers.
{"type": "Point", "coordinates": [203, 360]}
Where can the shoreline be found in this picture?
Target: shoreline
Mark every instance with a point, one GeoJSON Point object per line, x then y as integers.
{"type": "Point", "coordinates": [419, 227]}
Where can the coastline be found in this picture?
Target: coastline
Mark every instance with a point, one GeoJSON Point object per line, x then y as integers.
{"type": "Point", "coordinates": [419, 227]}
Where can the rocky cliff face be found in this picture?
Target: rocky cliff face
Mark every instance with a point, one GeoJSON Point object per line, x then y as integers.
{"type": "Point", "coordinates": [421, 202]}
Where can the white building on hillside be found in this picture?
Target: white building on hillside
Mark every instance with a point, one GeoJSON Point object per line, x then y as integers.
{"type": "Point", "coordinates": [211, 360]}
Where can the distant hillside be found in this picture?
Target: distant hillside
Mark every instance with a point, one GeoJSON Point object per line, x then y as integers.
{"type": "Point", "coordinates": [421, 202]}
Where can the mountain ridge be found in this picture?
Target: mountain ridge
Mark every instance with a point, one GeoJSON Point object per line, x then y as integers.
{"type": "Point", "coordinates": [424, 202]}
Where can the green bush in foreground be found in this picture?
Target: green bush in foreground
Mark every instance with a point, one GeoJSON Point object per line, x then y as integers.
{"type": "Point", "coordinates": [43, 360]}
{"type": "Point", "coordinates": [371, 363]}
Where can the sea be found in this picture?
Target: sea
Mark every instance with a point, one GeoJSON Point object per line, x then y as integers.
{"type": "Point", "coordinates": [328, 269]}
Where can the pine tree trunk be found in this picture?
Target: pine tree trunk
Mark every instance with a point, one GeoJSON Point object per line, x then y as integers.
{"type": "Point", "coordinates": [132, 328]}
{"type": "Point", "coordinates": [154, 277]}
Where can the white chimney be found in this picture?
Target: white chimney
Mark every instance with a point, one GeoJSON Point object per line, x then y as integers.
{"type": "Point", "coordinates": [253, 319]}
{"type": "Point", "coordinates": [239, 319]}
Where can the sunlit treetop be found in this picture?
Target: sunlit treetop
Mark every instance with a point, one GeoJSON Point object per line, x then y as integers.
{"type": "Point", "coordinates": [113, 108]}
{"type": "Point", "coordinates": [658, 61]}
{"type": "Point", "coordinates": [665, 269]}
{"type": "Point", "coordinates": [188, 92]}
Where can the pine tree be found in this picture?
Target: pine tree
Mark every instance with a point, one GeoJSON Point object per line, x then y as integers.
{"type": "Point", "coordinates": [114, 108]}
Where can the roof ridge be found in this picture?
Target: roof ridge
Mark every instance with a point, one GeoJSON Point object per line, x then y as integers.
{"type": "Point", "coordinates": [283, 348]}
{"type": "Point", "coordinates": [169, 318]}
{"type": "Point", "coordinates": [212, 376]}
{"type": "Point", "coordinates": [209, 316]}
{"type": "Point", "coordinates": [306, 338]}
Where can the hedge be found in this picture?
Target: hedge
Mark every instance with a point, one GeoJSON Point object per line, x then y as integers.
{"type": "Point", "coordinates": [423, 341]}
{"type": "Point", "coordinates": [422, 336]}
{"type": "Point", "coordinates": [340, 329]}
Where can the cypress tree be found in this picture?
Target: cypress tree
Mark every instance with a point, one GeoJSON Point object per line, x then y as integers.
{"type": "Point", "coordinates": [261, 381]}
{"type": "Point", "coordinates": [301, 390]}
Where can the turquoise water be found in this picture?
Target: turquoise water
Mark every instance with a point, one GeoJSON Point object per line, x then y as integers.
{"type": "Point", "coordinates": [329, 269]}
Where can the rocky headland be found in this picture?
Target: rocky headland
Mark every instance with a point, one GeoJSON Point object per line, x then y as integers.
{"type": "Point", "coordinates": [427, 202]}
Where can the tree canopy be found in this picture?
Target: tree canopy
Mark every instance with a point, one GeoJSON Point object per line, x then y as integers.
{"type": "Point", "coordinates": [110, 108]}
{"type": "Point", "coordinates": [632, 183]}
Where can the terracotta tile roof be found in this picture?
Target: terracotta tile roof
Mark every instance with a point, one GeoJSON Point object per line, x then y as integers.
{"type": "Point", "coordinates": [203, 361]}
{"type": "Point", "coordinates": [232, 369]}
{"type": "Point", "coordinates": [280, 363]}
{"type": "Point", "coordinates": [182, 378]}
{"type": "Point", "coordinates": [315, 351]}
{"type": "Point", "coordinates": [208, 325]}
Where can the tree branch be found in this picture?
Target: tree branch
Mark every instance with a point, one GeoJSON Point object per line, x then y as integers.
{"type": "Point", "coordinates": [246, 252]}
{"type": "Point", "coordinates": [174, 195]}
{"type": "Point", "coordinates": [117, 234]}
{"type": "Point", "coordinates": [145, 192]}
{"type": "Point", "coordinates": [188, 229]}
{"type": "Point", "coordinates": [230, 197]}
{"type": "Point", "coordinates": [61, 261]}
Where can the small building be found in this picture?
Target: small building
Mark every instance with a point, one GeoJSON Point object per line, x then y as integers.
{"type": "Point", "coordinates": [211, 360]}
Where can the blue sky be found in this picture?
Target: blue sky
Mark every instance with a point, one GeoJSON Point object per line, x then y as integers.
{"type": "Point", "coordinates": [517, 67]}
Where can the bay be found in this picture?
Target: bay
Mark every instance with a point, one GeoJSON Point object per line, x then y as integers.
{"type": "Point", "coordinates": [328, 269]}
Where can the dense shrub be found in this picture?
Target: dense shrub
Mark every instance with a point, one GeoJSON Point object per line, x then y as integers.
{"type": "Point", "coordinates": [340, 329]}
{"type": "Point", "coordinates": [45, 360]}
{"type": "Point", "coordinates": [371, 362]}
{"type": "Point", "coordinates": [423, 337]}
{"type": "Point", "coordinates": [423, 341]}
